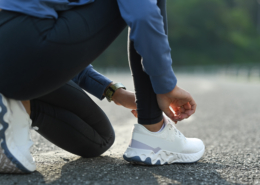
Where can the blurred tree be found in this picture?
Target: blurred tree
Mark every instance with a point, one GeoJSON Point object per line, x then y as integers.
{"type": "Point", "coordinates": [212, 32]}
{"type": "Point", "coordinates": [203, 32]}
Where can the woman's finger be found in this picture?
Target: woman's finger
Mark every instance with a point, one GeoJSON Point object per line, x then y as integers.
{"type": "Point", "coordinates": [170, 113]}
{"type": "Point", "coordinates": [187, 106]}
{"type": "Point", "coordinates": [134, 112]}
{"type": "Point", "coordinates": [193, 106]}
{"type": "Point", "coordinates": [176, 110]}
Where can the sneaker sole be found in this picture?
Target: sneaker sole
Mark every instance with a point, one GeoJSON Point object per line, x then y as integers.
{"type": "Point", "coordinates": [8, 151]}
{"type": "Point", "coordinates": [162, 157]}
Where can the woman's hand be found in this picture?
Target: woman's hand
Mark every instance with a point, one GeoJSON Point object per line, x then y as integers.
{"type": "Point", "coordinates": [124, 98]}
{"type": "Point", "coordinates": [177, 104]}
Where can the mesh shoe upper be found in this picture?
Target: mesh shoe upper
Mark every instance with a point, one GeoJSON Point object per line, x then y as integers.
{"type": "Point", "coordinates": [170, 139]}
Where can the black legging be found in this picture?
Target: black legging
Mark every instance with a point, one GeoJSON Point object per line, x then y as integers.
{"type": "Point", "coordinates": [39, 57]}
{"type": "Point", "coordinates": [69, 118]}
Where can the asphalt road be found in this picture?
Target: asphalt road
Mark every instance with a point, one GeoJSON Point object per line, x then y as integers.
{"type": "Point", "coordinates": [227, 120]}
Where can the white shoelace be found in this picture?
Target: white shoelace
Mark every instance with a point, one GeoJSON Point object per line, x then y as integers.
{"type": "Point", "coordinates": [177, 132]}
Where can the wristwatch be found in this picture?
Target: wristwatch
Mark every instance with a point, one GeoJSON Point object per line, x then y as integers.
{"type": "Point", "coordinates": [112, 89]}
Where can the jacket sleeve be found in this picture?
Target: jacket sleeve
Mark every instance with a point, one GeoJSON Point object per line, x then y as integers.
{"type": "Point", "coordinates": [92, 81]}
{"type": "Point", "coordinates": [150, 41]}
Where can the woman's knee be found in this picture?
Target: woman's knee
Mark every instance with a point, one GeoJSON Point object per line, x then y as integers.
{"type": "Point", "coordinates": [98, 149]}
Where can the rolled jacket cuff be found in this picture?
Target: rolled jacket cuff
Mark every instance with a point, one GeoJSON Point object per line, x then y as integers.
{"type": "Point", "coordinates": [164, 83]}
{"type": "Point", "coordinates": [102, 89]}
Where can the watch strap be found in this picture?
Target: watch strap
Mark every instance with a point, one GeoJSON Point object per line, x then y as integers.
{"type": "Point", "coordinates": [112, 89]}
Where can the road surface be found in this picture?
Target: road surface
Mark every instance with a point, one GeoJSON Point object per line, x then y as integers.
{"type": "Point", "coordinates": [227, 120]}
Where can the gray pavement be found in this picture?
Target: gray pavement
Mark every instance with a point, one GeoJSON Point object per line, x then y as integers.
{"type": "Point", "coordinates": [227, 120]}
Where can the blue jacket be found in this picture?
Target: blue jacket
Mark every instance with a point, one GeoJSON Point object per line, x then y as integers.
{"type": "Point", "coordinates": [147, 32]}
{"type": "Point", "coordinates": [92, 81]}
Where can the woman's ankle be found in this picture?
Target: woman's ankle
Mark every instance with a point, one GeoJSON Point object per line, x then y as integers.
{"type": "Point", "coordinates": [154, 127]}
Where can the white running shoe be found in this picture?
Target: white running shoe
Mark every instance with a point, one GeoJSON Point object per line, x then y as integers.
{"type": "Point", "coordinates": [15, 142]}
{"type": "Point", "coordinates": [165, 147]}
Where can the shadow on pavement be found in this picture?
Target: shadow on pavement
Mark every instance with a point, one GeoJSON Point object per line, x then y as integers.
{"type": "Point", "coordinates": [109, 170]}
{"type": "Point", "coordinates": [17, 179]}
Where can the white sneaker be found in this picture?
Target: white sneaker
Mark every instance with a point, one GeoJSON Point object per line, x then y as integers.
{"type": "Point", "coordinates": [15, 156]}
{"type": "Point", "coordinates": [165, 147]}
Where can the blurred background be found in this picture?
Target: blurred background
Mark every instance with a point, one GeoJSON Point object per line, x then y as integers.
{"type": "Point", "coordinates": [216, 53]}
{"type": "Point", "coordinates": [213, 36]}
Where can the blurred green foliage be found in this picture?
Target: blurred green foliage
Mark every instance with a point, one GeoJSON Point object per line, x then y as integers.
{"type": "Point", "coordinates": [203, 32]}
